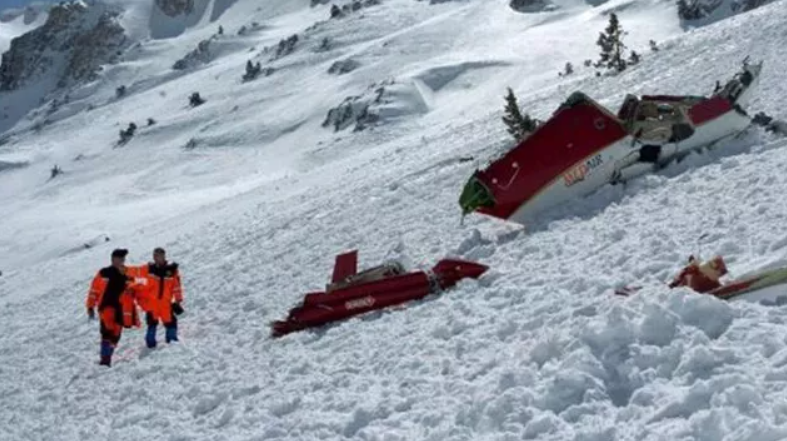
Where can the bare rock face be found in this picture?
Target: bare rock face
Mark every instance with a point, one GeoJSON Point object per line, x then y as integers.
{"type": "Point", "coordinates": [70, 47]}
{"type": "Point", "coordinates": [174, 8]}
{"type": "Point", "coordinates": [529, 5]}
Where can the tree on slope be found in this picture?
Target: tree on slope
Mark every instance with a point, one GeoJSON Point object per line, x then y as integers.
{"type": "Point", "coordinates": [519, 126]}
{"type": "Point", "coordinates": [611, 43]}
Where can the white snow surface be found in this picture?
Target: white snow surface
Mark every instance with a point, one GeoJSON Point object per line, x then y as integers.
{"type": "Point", "coordinates": [255, 212]}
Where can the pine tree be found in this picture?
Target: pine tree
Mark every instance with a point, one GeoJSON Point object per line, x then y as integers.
{"type": "Point", "coordinates": [634, 58]}
{"type": "Point", "coordinates": [653, 46]}
{"type": "Point", "coordinates": [612, 45]}
{"type": "Point", "coordinates": [519, 126]}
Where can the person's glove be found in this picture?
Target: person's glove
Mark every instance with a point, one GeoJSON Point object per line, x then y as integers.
{"type": "Point", "coordinates": [91, 313]}
{"type": "Point", "coordinates": [177, 309]}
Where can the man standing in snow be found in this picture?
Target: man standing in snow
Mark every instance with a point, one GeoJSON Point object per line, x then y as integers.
{"type": "Point", "coordinates": [165, 295]}
{"type": "Point", "coordinates": [114, 292]}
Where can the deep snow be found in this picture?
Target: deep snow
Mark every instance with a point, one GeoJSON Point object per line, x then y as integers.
{"type": "Point", "coordinates": [538, 348]}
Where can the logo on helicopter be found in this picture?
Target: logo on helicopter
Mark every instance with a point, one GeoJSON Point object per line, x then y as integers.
{"type": "Point", "coordinates": [580, 172]}
{"type": "Point", "coordinates": [363, 302]}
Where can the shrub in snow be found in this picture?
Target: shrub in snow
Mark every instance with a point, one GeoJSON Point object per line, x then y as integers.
{"type": "Point", "coordinates": [55, 172]}
{"type": "Point", "coordinates": [633, 58]}
{"type": "Point", "coordinates": [343, 66]}
{"type": "Point", "coordinates": [567, 70]}
{"type": "Point", "coordinates": [196, 100]}
{"type": "Point", "coordinates": [126, 135]}
{"type": "Point", "coordinates": [611, 43]}
{"type": "Point", "coordinates": [151, 122]}
{"type": "Point", "coordinates": [519, 126]}
{"type": "Point", "coordinates": [653, 46]}
{"type": "Point", "coordinates": [120, 92]}
{"type": "Point", "coordinates": [221, 30]}
{"type": "Point", "coordinates": [252, 71]}
{"type": "Point", "coordinates": [336, 12]}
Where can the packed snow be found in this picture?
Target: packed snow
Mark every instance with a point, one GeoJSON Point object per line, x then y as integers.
{"type": "Point", "coordinates": [253, 197]}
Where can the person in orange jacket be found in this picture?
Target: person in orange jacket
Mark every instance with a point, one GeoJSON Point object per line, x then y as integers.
{"type": "Point", "coordinates": [165, 295]}
{"type": "Point", "coordinates": [114, 292]}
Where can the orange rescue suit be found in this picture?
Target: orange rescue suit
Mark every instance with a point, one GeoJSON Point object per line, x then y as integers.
{"type": "Point", "coordinates": [115, 293]}
{"type": "Point", "coordinates": [163, 288]}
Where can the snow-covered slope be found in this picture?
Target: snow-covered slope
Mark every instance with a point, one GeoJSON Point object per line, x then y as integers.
{"type": "Point", "coordinates": [264, 196]}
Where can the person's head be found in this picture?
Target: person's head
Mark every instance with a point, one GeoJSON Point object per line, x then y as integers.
{"type": "Point", "coordinates": [159, 256]}
{"type": "Point", "coordinates": [119, 258]}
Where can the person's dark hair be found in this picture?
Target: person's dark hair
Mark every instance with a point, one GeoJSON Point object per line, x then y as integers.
{"type": "Point", "coordinates": [119, 252]}
{"type": "Point", "coordinates": [159, 250]}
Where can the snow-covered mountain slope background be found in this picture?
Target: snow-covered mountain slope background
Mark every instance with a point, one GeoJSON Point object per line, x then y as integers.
{"type": "Point", "coordinates": [254, 196]}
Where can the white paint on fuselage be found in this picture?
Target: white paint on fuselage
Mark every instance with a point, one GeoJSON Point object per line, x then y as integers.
{"type": "Point", "coordinates": [620, 158]}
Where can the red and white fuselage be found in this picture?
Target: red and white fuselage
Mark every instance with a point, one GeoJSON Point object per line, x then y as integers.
{"type": "Point", "coordinates": [584, 146]}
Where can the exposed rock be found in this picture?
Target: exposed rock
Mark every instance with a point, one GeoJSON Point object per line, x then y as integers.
{"type": "Point", "coordinates": [530, 5]}
{"type": "Point", "coordinates": [70, 47]}
{"type": "Point", "coordinates": [357, 110]}
{"type": "Point", "coordinates": [343, 66]}
{"type": "Point", "coordinates": [174, 8]}
{"type": "Point", "coordinates": [200, 55]}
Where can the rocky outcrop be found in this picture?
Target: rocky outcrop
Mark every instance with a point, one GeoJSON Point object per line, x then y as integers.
{"type": "Point", "coordinates": [529, 5]}
{"type": "Point", "coordinates": [703, 12]}
{"type": "Point", "coordinates": [200, 55]}
{"type": "Point", "coordinates": [174, 8]}
{"type": "Point", "coordinates": [70, 47]}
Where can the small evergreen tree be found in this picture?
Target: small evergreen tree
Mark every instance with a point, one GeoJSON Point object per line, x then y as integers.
{"type": "Point", "coordinates": [634, 58]}
{"type": "Point", "coordinates": [252, 71]}
{"type": "Point", "coordinates": [196, 100]}
{"type": "Point", "coordinates": [221, 30]}
{"type": "Point", "coordinates": [55, 172]}
{"type": "Point", "coordinates": [519, 126]}
{"type": "Point", "coordinates": [569, 69]}
{"type": "Point", "coordinates": [653, 46]}
{"type": "Point", "coordinates": [611, 43]}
